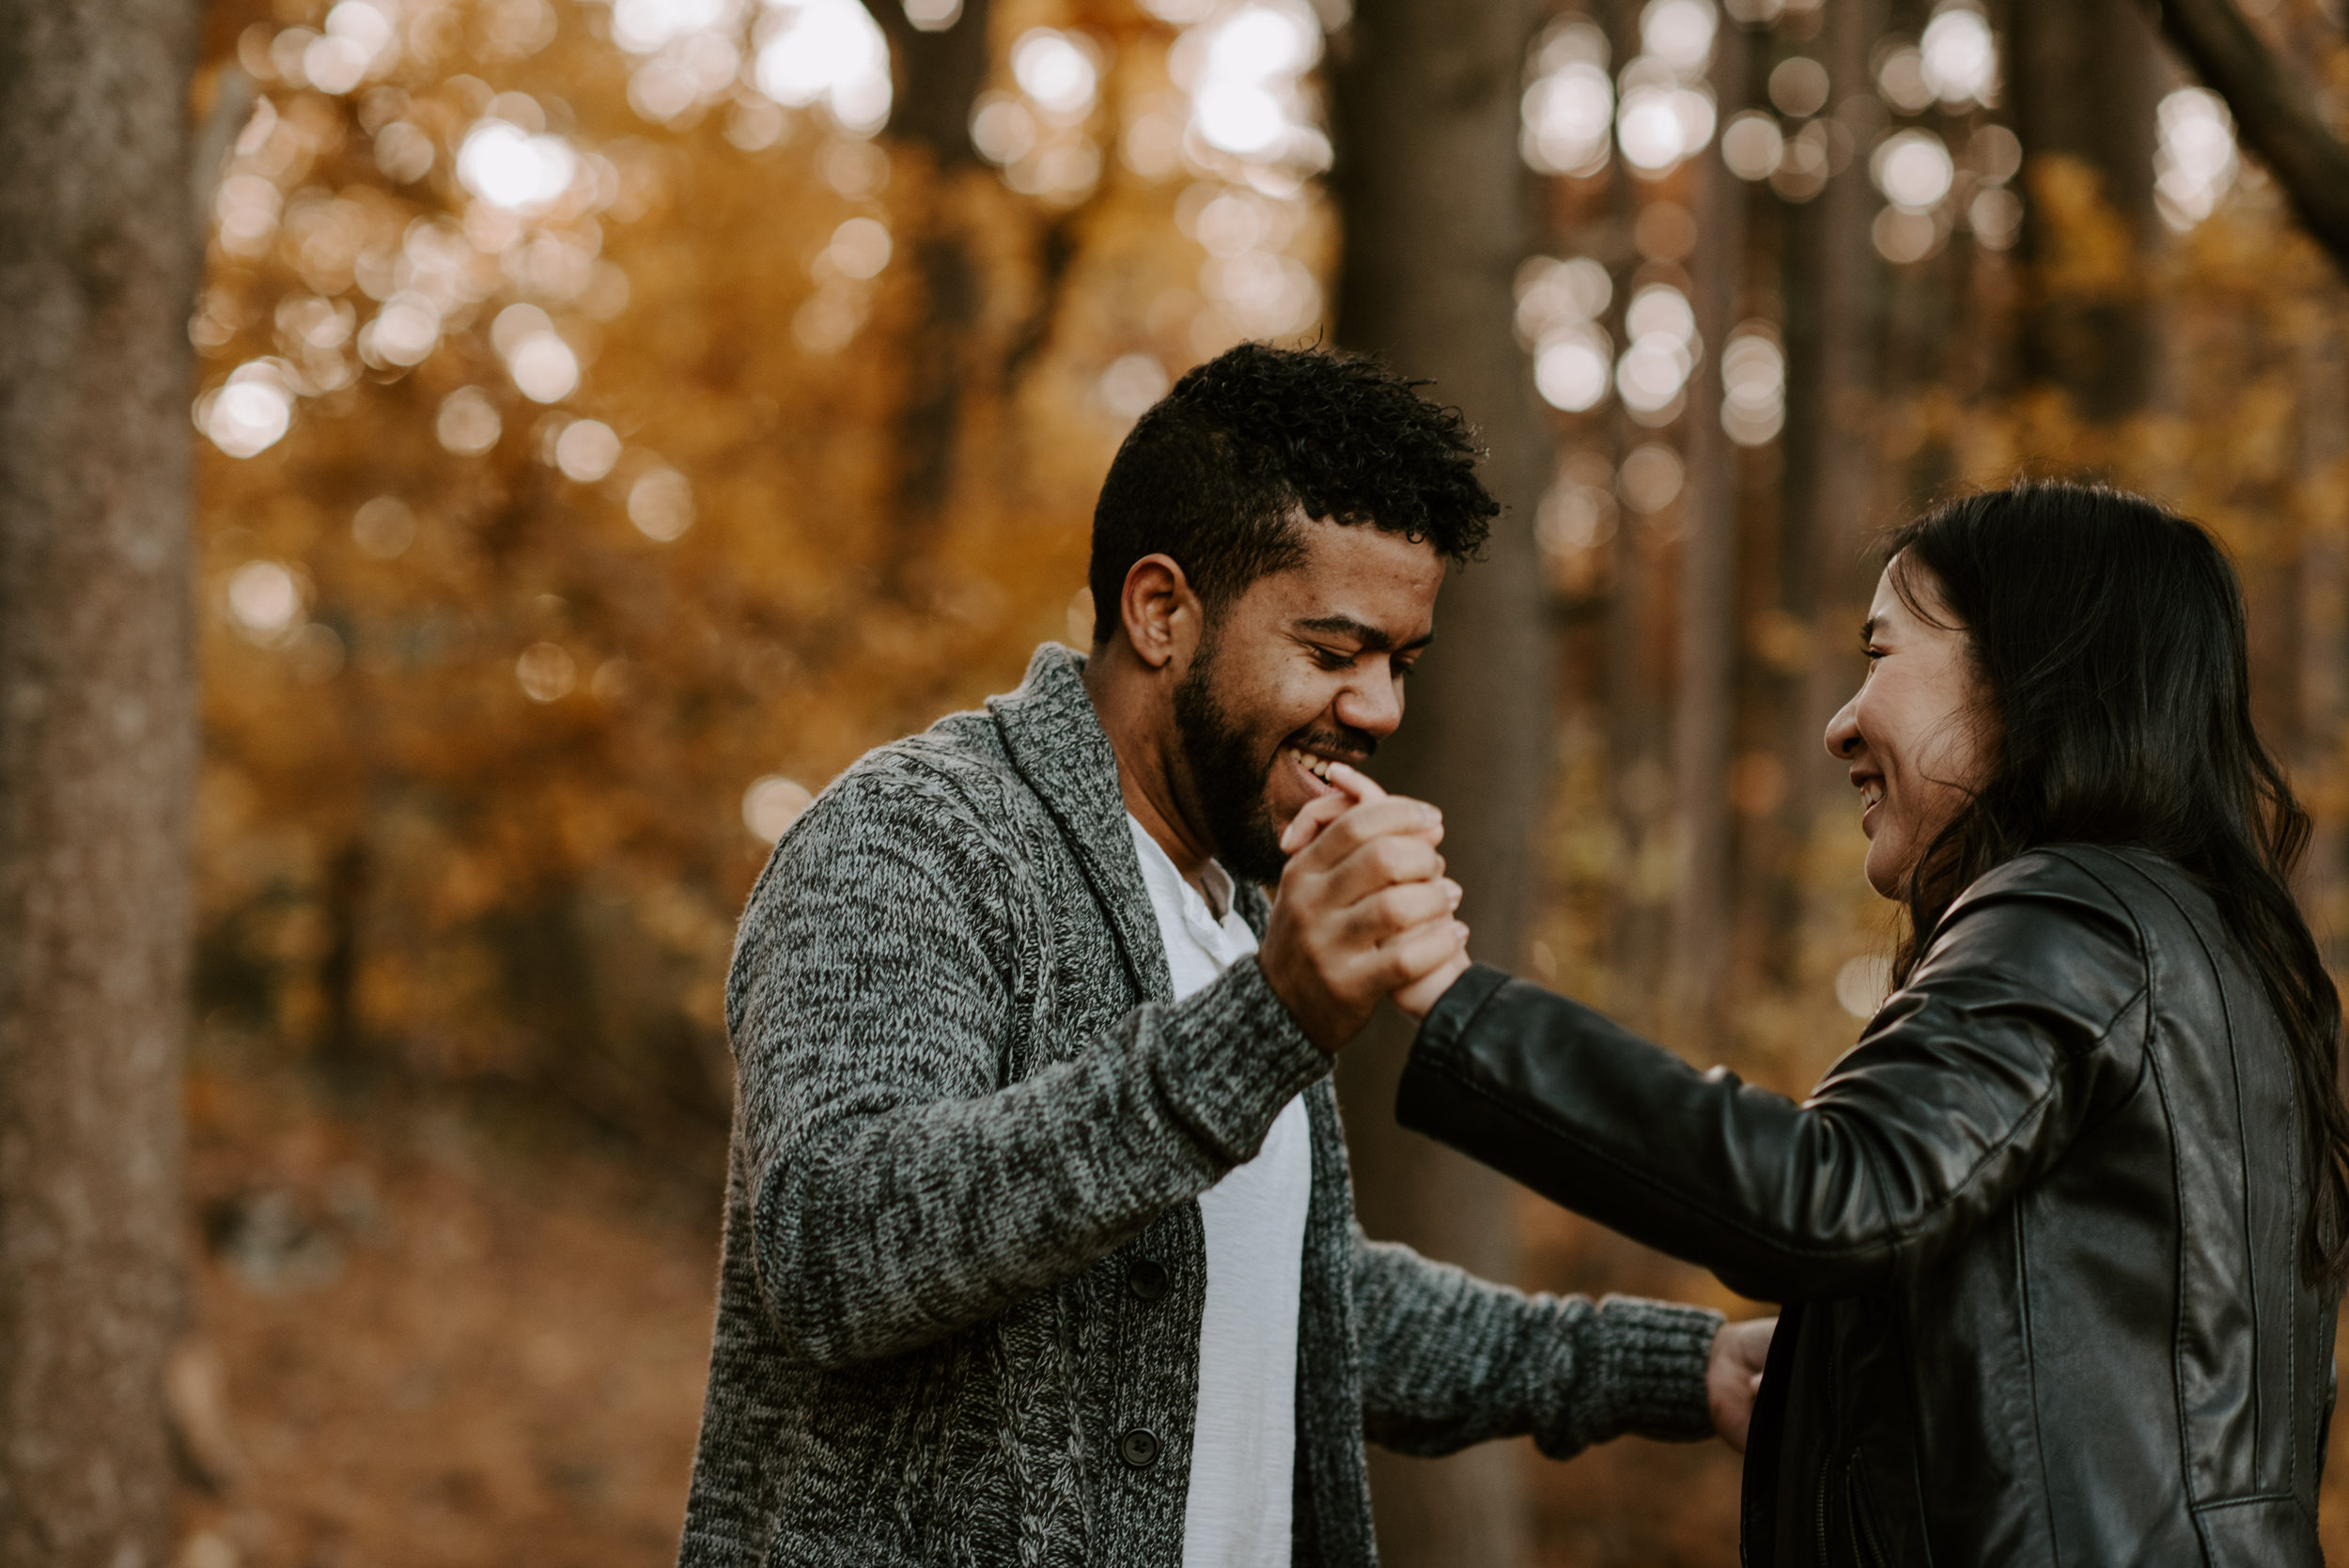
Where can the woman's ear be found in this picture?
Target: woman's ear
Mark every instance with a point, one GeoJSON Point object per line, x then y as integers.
{"type": "Point", "coordinates": [1159, 611]}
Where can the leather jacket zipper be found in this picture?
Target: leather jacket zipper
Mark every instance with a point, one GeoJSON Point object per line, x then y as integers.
{"type": "Point", "coordinates": [1866, 1546]}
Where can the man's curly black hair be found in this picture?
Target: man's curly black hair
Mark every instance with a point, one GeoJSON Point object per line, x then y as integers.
{"type": "Point", "coordinates": [1218, 473]}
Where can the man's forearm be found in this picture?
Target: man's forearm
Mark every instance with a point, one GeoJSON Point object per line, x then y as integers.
{"type": "Point", "coordinates": [1448, 1359]}
{"type": "Point", "coordinates": [880, 1233]}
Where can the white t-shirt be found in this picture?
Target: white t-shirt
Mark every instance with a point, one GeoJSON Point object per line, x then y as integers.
{"type": "Point", "coordinates": [1244, 1444]}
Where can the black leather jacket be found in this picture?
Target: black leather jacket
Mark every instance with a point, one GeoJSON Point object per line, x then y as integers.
{"type": "Point", "coordinates": [2037, 1235]}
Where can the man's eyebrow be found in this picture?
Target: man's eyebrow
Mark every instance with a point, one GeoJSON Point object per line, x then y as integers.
{"type": "Point", "coordinates": [1374, 639]}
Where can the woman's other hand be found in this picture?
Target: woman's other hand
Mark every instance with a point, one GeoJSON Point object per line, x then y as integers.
{"type": "Point", "coordinates": [1732, 1377]}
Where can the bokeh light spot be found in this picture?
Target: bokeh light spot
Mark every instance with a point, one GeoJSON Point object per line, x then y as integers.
{"type": "Point", "coordinates": [264, 599]}
{"type": "Point", "coordinates": [508, 167]}
{"type": "Point", "coordinates": [587, 450]}
{"type": "Point", "coordinates": [1132, 384]}
{"type": "Point", "coordinates": [250, 412]}
{"type": "Point", "coordinates": [468, 423]}
{"type": "Point", "coordinates": [860, 248]}
{"type": "Point", "coordinates": [546, 671]}
{"type": "Point", "coordinates": [383, 528]}
{"type": "Point", "coordinates": [1913, 169]}
{"type": "Point", "coordinates": [660, 504]}
{"type": "Point", "coordinates": [772, 804]}
{"type": "Point", "coordinates": [1055, 70]}
{"type": "Point", "coordinates": [2195, 162]}
{"type": "Point", "coordinates": [1651, 477]}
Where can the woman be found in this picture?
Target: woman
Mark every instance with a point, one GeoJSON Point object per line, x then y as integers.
{"type": "Point", "coordinates": [2060, 1240]}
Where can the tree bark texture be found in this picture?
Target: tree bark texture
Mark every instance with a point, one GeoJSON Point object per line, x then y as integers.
{"type": "Point", "coordinates": [2081, 78]}
{"type": "Point", "coordinates": [99, 255]}
{"type": "Point", "coordinates": [1705, 718]}
{"type": "Point", "coordinates": [1437, 210]}
{"type": "Point", "coordinates": [2275, 113]}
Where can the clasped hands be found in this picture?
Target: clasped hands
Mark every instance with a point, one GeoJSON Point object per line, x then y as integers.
{"type": "Point", "coordinates": [1366, 911]}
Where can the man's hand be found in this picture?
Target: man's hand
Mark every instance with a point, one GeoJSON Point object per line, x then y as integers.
{"type": "Point", "coordinates": [1364, 910]}
{"type": "Point", "coordinates": [1732, 1377]}
{"type": "Point", "coordinates": [1420, 995]}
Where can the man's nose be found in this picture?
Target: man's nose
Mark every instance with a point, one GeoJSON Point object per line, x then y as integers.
{"type": "Point", "coordinates": [1371, 705]}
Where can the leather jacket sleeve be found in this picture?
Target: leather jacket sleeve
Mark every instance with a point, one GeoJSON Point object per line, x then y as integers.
{"type": "Point", "coordinates": [2025, 1017]}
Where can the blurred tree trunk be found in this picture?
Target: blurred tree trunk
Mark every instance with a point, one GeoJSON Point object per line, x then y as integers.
{"type": "Point", "coordinates": [1436, 212]}
{"type": "Point", "coordinates": [98, 255]}
{"type": "Point", "coordinates": [1705, 718]}
{"type": "Point", "coordinates": [937, 77]}
{"type": "Point", "coordinates": [1832, 288]}
{"type": "Point", "coordinates": [2081, 76]}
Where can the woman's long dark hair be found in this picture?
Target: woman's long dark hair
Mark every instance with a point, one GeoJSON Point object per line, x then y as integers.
{"type": "Point", "coordinates": [2109, 636]}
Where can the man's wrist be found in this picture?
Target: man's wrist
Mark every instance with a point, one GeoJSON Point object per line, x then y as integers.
{"type": "Point", "coordinates": [1234, 1056]}
{"type": "Point", "coordinates": [1658, 1355]}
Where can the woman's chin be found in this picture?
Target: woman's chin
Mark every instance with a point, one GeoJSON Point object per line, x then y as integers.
{"type": "Point", "coordinates": [1886, 872]}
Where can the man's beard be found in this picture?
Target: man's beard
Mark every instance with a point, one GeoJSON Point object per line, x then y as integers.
{"type": "Point", "coordinates": [1230, 779]}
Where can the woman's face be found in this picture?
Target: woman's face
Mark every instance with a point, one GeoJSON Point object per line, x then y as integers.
{"type": "Point", "coordinates": [1915, 731]}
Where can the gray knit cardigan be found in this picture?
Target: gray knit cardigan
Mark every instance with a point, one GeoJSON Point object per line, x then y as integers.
{"type": "Point", "coordinates": [963, 1270]}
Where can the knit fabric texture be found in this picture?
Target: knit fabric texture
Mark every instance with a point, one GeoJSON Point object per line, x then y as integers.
{"type": "Point", "coordinates": [963, 1269]}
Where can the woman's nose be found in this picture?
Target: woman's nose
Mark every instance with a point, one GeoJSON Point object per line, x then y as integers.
{"type": "Point", "coordinates": [1842, 731]}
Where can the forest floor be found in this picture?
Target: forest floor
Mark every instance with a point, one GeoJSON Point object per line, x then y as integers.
{"type": "Point", "coordinates": [423, 1340]}
{"type": "Point", "coordinates": [413, 1343]}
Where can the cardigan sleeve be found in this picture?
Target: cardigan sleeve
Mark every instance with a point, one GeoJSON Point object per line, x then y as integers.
{"type": "Point", "coordinates": [900, 1191]}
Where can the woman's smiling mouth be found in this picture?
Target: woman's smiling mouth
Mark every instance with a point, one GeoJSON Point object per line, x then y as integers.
{"type": "Point", "coordinates": [1871, 797]}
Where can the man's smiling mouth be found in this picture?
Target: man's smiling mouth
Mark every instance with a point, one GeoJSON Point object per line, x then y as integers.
{"type": "Point", "coordinates": [1317, 766]}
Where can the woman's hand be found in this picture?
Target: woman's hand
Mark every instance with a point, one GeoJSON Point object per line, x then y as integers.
{"type": "Point", "coordinates": [1732, 1377]}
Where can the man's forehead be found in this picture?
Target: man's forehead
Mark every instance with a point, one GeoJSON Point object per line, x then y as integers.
{"type": "Point", "coordinates": [1363, 551]}
{"type": "Point", "coordinates": [1354, 582]}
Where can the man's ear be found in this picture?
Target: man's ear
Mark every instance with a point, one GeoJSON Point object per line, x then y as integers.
{"type": "Point", "coordinates": [1161, 615]}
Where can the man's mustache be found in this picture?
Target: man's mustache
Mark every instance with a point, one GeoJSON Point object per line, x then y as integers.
{"type": "Point", "coordinates": [1352, 747]}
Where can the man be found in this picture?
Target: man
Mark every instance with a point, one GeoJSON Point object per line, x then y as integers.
{"type": "Point", "coordinates": [1039, 1243]}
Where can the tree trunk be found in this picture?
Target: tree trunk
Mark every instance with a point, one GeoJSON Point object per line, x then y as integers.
{"type": "Point", "coordinates": [1832, 286]}
{"type": "Point", "coordinates": [2081, 73]}
{"type": "Point", "coordinates": [1704, 717]}
{"type": "Point", "coordinates": [1437, 214]}
{"type": "Point", "coordinates": [936, 79]}
{"type": "Point", "coordinates": [98, 262]}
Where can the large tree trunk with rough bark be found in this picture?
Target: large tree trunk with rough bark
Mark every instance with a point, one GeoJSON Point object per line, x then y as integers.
{"type": "Point", "coordinates": [1437, 214]}
{"type": "Point", "coordinates": [98, 254]}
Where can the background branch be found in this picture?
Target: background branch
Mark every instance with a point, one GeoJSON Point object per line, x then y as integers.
{"type": "Point", "coordinates": [2275, 114]}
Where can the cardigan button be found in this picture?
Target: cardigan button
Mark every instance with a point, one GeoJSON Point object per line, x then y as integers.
{"type": "Point", "coordinates": [1139, 1448]}
{"type": "Point", "coordinates": [1146, 1280]}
